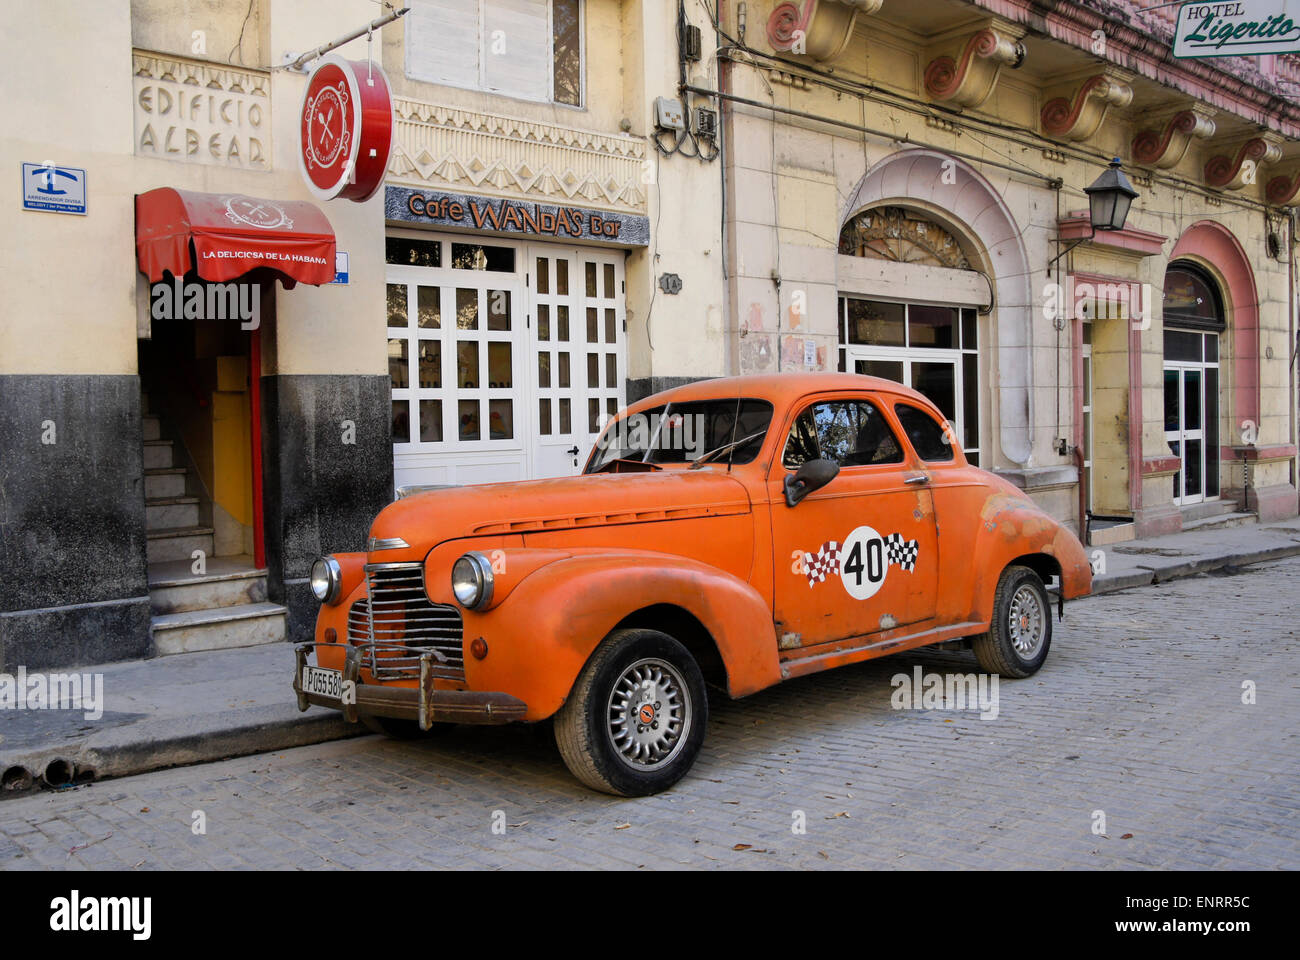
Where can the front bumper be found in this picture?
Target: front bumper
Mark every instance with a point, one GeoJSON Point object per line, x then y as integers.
{"type": "Point", "coordinates": [423, 704]}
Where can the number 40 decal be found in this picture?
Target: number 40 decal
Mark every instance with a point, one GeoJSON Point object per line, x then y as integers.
{"type": "Point", "coordinates": [867, 557]}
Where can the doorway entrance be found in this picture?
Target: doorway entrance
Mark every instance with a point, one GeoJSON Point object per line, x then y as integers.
{"type": "Point", "coordinates": [1193, 319]}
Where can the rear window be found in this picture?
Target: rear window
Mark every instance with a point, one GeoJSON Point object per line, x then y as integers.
{"type": "Point", "coordinates": [683, 432]}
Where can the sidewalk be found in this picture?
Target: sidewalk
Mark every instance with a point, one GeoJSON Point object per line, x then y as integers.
{"type": "Point", "coordinates": [200, 707]}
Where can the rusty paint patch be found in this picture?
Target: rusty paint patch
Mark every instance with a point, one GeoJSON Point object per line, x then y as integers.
{"type": "Point", "coordinates": [790, 640]}
{"type": "Point", "coordinates": [888, 621]}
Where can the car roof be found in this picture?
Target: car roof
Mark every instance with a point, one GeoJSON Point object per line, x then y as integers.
{"type": "Point", "coordinates": [780, 389]}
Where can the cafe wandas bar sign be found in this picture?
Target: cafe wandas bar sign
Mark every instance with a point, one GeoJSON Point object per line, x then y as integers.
{"type": "Point", "coordinates": [490, 215]}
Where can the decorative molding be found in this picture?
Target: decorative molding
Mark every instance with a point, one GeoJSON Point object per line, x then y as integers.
{"type": "Point", "coordinates": [505, 156]}
{"type": "Point", "coordinates": [1164, 145]}
{"type": "Point", "coordinates": [788, 79]}
{"type": "Point", "coordinates": [1078, 118]}
{"type": "Point", "coordinates": [1129, 242]}
{"type": "Point", "coordinates": [820, 29]}
{"type": "Point", "coordinates": [1284, 190]}
{"type": "Point", "coordinates": [1234, 172]}
{"type": "Point", "coordinates": [969, 79]}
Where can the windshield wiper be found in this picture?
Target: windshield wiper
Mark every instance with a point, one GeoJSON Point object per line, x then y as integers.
{"type": "Point", "coordinates": [706, 457]}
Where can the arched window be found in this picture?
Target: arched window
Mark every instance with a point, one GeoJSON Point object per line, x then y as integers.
{"type": "Point", "coordinates": [1192, 298]}
{"type": "Point", "coordinates": [902, 236]}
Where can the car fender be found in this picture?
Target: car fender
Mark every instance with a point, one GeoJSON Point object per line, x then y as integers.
{"type": "Point", "coordinates": [542, 634]}
{"type": "Point", "coordinates": [1012, 526]}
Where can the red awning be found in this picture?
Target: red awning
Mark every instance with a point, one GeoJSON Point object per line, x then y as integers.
{"type": "Point", "coordinates": [232, 234]}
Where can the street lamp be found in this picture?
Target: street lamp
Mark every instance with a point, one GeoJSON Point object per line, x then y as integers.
{"type": "Point", "coordinates": [1109, 198]}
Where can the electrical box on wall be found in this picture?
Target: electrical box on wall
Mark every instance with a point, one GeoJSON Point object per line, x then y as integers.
{"type": "Point", "coordinates": [692, 46]}
{"type": "Point", "coordinates": [669, 114]}
{"type": "Point", "coordinates": [706, 123]}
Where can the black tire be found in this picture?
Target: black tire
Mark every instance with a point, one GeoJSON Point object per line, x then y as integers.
{"type": "Point", "coordinates": [1016, 650]}
{"type": "Point", "coordinates": [647, 762]}
{"type": "Point", "coordinates": [396, 729]}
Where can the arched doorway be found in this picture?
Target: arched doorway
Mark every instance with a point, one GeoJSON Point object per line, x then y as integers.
{"type": "Point", "coordinates": [1193, 322]}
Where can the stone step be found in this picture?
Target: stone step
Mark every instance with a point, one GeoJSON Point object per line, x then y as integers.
{"type": "Point", "coordinates": [1208, 508]}
{"type": "Point", "coordinates": [151, 427]}
{"type": "Point", "coordinates": [178, 543]}
{"type": "Point", "coordinates": [1220, 522]}
{"type": "Point", "coordinates": [174, 587]}
{"type": "Point", "coordinates": [157, 453]}
{"type": "Point", "coordinates": [164, 513]}
{"type": "Point", "coordinates": [246, 625]}
{"type": "Point", "coordinates": [164, 482]}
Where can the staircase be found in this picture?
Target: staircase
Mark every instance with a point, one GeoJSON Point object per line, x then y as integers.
{"type": "Point", "coordinates": [225, 605]}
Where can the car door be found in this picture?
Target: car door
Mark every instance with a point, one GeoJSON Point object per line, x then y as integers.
{"type": "Point", "coordinates": [859, 555]}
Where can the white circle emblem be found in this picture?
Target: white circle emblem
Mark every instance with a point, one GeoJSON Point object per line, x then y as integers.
{"type": "Point", "coordinates": [253, 212]}
{"type": "Point", "coordinates": [864, 562]}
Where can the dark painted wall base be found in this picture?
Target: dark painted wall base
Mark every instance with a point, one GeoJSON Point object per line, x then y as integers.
{"type": "Point", "coordinates": [73, 585]}
{"type": "Point", "coordinates": [75, 636]}
{"type": "Point", "coordinates": [643, 387]}
{"type": "Point", "coordinates": [328, 469]}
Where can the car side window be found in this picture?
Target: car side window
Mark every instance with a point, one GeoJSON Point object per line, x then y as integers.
{"type": "Point", "coordinates": [853, 433]}
{"type": "Point", "coordinates": [929, 439]}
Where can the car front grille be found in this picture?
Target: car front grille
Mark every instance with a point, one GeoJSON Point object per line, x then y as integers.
{"type": "Point", "coordinates": [395, 624]}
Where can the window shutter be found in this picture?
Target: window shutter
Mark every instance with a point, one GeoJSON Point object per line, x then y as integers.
{"type": "Point", "coordinates": [442, 42]}
{"type": "Point", "coordinates": [517, 48]}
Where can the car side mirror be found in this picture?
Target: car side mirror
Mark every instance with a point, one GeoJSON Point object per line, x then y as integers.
{"type": "Point", "coordinates": [813, 475]}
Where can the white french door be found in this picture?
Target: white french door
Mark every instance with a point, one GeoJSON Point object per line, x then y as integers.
{"type": "Point", "coordinates": [505, 358]}
{"type": "Point", "coordinates": [1191, 409]}
{"type": "Point", "coordinates": [579, 351]}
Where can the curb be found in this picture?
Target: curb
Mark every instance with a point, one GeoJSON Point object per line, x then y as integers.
{"type": "Point", "coordinates": [265, 730]}
{"type": "Point", "coordinates": [1154, 576]}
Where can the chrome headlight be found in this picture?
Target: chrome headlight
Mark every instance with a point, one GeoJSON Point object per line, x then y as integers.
{"type": "Point", "coordinates": [471, 580]}
{"type": "Point", "coordinates": [326, 579]}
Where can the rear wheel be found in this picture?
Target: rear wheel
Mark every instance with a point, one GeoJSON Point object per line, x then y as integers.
{"type": "Point", "coordinates": [635, 719]}
{"type": "Point", "coordinates": [1020, 634]}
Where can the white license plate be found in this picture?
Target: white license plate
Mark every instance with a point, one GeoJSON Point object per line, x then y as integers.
{"type": "Point", "coordinates": [322, 682]}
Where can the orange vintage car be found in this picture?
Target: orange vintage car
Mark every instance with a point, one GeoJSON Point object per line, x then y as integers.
{"type": "Point", "coordinates": [736, 532]}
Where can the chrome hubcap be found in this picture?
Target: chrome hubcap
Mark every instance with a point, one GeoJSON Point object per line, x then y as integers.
{"type": "Point", "coordinates": [1027, 622]}
{"type": "Point", "coordinates": [649, 714]}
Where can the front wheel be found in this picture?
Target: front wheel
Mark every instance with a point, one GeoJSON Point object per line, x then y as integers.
{"type": "Point", "coordinates": [1017, 641]}
{"type": "Point", "coordinates": [635, 719]}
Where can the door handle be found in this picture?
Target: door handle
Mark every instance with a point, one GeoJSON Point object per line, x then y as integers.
{"type": "Point", "coordinates": [572, 451]}
{"type": "Point", "coordinates": [918, 478]}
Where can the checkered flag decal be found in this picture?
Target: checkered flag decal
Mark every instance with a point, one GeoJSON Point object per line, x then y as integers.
{"type": "Point", "coordinates": [901, 552]}
{"type": "Point", "coordinates": [826, 562]}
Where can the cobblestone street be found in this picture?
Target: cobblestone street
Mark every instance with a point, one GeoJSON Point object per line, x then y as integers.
{"type": "Point", "coordinates": [1137, 716]}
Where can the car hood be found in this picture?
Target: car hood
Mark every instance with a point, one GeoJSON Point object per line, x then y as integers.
{"type": "Point", "coordinates": [531, 506]}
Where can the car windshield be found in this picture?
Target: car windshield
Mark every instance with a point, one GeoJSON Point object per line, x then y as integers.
{"type": "Point", "coordinates": [684, 432]}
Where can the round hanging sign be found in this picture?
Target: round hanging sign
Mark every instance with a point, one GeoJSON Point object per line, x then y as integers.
{"type": "Point", "coordinates": [346, 129]}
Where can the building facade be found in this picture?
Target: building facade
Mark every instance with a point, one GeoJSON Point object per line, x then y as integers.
{"type": "Point", "coordinates": [587, 201]}
{"type": "Point", "coordinates": [901, 179]}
